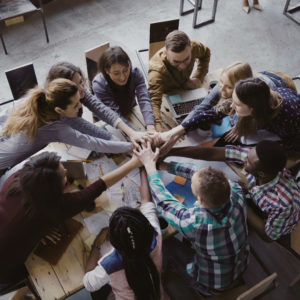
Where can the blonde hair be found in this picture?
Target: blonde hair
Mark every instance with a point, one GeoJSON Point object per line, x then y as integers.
{"type": "Point", "coordinates": [237, 71]}
{"type": "Point", "coordinates": [39, 109]}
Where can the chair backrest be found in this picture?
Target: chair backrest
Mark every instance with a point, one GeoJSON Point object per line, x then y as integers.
{"type": "Point", "coordinates": [158, 33]}
{"type": "Point", "coordinates": [21, 79]}
{"type": "Point", "coordinates": [260, 288]}
{"type": "Point", "coordinates": [92, 57]}
{"type": "Point", "coordinates": [295, 239]}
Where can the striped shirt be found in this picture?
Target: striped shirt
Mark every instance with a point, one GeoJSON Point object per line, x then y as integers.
{"type": "Point", "coordinates": [279, 198]}
{"type": "Point", "coordinates": [218, 236]}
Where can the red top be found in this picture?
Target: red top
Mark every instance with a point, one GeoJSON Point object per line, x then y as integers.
{"type": "Point", "coordinates": [18, 237]}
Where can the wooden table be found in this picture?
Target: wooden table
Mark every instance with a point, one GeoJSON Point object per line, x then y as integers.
{"type": "Point", "coordinates": [60, 280]}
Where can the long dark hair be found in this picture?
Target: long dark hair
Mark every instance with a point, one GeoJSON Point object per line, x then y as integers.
{"type": "Point", "coordinates": [41, 186]}
{"type": "Point", "coordinates": [132, 235]}
{"type": "Point", "coordinates": [255, 93]}
{"type": "Point", "coordinates": [111, 56]}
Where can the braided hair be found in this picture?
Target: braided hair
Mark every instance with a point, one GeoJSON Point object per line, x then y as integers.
{"type": "Point", "coordinates": [131, 234]}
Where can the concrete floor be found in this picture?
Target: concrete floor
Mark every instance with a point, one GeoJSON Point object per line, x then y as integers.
{"type": "Point", "coordinates": [267, 40]}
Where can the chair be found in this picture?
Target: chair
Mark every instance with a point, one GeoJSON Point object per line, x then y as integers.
{"type": "Point", "coordinates": [290, 11]}
{"type": "Point", "coordinates": [197, 4]}
{"type": "Point", "coordinates": [14, 8]}
{"type": "Point", "coordinates": [242, 293]}
{"type": "Point", "coordinates": [158, 33]}
{"type": "Point", "coordinates": [21, 79]}
{"type": "Point", "coordinates": [92, 57]}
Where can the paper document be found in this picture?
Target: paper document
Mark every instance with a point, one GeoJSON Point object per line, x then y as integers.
{"type": "Point", "coordinates": [97, 222]}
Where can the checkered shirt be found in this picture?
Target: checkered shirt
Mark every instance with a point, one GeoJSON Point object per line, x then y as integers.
{"type": "Point", "coordinates": [218, 236]}
{"type": "Point", "coordinates": [279, 198]}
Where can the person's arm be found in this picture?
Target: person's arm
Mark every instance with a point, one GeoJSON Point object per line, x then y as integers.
{"type": "Point", "coordinates": [155, 90]}
{"type": "Point", "coordinates": [116, 175]}
{"type": "Point", "coordinates": [75, 202]}
{"type": "Point", "coordinates": [208, 102]}
{"type": "Point", "coordinates": [143, 98]}
{"type": "Point", "coordinates": [202, 53]}
{"type": "Point", "coordinates": [87, 127]}
{"type": "Point", "coordinates": [60, 132]}
{"type": "Point", "coordinates": [102, 111]}
{"type": "Point", "coordinates": [173, 211]}
{"type": "Point", "coordinates": [199, 152]}
{"type": "Point", "coordinates": [258, 224]}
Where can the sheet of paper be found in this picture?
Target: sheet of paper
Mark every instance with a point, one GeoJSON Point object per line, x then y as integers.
{"type": "Point", "coordinates": [97, 222]}
{"type": "Point", "coordinates": [194, 138]}
{"type": "Point", "coordinates": [79, 152]}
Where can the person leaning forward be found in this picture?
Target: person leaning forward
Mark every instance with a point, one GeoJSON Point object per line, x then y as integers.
{"type": "Point", "coordinates": [171, 68]}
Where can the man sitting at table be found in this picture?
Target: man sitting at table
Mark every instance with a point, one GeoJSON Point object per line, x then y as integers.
{"type": "Point", "coordinates": [274, 193]}
{"type": "Point", "coordinates": [216, 224]}
{"type": "Point", "coordinates": [171, 67]}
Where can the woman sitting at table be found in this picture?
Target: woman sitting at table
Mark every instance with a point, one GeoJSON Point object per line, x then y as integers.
{"type": "Point", "coordinates": [118, 85]}
{"type": "Point", "coordinates": [32, 201]}
{"type": "Point", "coordinates": [40, 120]}
{"type": "Point", "coordinates": [102, 111]}
{"type": "Point", "coordinates": [203, 114]}
{"type": "Point", "coordinates": [133, 267]}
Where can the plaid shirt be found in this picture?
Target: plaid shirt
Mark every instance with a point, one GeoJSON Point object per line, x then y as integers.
{"type": "Point", "coordinates": [218, 236]}
{"type": "Point", "coordinates": [279, 198]}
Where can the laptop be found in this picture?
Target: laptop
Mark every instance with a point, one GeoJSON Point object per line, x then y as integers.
{"type": "Point", "coordinates": [182, 104]}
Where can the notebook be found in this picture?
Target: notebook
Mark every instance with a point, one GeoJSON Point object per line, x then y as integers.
{"type": "Point", "coordinates": [182, 104]}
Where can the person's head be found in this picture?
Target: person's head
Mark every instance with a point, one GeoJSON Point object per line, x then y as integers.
{"type": "Point", "coordinates": [231, 75]}
{"type": "Point", "coordinates": [211, 187]}
{"type": "Point", "coordinates": [115, 64]}
{"type": "Point", "coordinates": [252, 97]}
{"type": "Point", "coordinates": [61, 98]}
{"type": "Point", "coordinates": [41, 182]}
{"type": "Point", "coordinates": [178, 49]}
{"type": "Point", "coordinates": [267, 158]}
{"type": "Point", "coordinates": [68, 71]}
{"type": "Point", "coordinates": [132, 235]}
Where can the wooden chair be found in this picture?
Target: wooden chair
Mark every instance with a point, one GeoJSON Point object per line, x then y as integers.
{"type": "Point", "coordinates": [14, 8]}
{"type": "Point", "coordinates": [242, 293]}
{"type": "Point", "coordinates": [92, 57]}
{"type": "Point", "coordinates": [158, 33]}
{"type": "Point", "coordinates": [21, 79]}
{"type": "Point", "coordinates": [197, 4]}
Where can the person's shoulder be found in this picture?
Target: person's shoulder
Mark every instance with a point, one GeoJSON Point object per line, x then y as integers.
{"type": "Point", "coordinates": [157, 61]}
{"type": "Point", "coordinates": [99, 80]}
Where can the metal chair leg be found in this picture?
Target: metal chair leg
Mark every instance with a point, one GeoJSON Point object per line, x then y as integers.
{"type": "Point", "coordinates": [214, 10]}
{"type": "Point", "coordinates": [183, 13]}
{"type": "Point", "coordinates": [288, 12]}
{"type": "Point", "coordinates": [3, 44]}
{"type": "Point", "coordinates": [44, 21]}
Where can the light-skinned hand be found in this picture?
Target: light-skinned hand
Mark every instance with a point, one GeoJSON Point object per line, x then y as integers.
{"type": "Point", "coordinates": [147, 156]}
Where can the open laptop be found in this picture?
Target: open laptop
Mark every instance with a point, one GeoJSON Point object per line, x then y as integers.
{"type": "Point", "coordinates": [182, 104]}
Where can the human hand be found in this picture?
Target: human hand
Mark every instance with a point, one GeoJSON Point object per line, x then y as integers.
{"type": "Point", "coordinates": [192, 83]}
{"type": "Point", "coordinates": [138, 137]}
{"type": "Point", "coordinates": [231, 135]}
{"type": "Point", "coordinates": [147, 156]}
{"type": "Point", "coordinates": [170, 141]}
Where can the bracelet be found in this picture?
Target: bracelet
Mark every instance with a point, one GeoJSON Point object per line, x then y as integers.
{"type": "Point", "coordinates": [96, 246]}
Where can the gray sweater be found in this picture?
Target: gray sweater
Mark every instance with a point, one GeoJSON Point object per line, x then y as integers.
{"type": "Point", "coordinates": [16, 148]}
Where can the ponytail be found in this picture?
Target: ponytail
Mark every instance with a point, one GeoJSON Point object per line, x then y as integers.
{"type": "Point", "coordinates": [132, 235]}
{"type": "Point", "coordinates": [39, 109]}
{"type": "Point", "coordinates": [29, 115]}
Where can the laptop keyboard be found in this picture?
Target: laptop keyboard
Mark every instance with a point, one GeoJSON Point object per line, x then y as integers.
{"type": "Point", "coordinates": [186, 107]}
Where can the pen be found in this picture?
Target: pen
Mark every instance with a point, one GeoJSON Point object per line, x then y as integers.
{"type": "Point", "coordinates": [101, 171]}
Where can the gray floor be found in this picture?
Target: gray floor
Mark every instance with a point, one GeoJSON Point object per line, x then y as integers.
{"type": "Point", "coordinates": [267, 40]}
